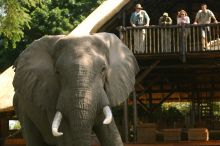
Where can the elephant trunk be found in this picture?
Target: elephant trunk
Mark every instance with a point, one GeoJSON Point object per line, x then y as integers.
{"type": "Point", "coordinates": [58, 117]}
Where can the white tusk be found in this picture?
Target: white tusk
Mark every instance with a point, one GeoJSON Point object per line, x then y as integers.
{"type": "Point", "coordinates": [108, 115]}
{"type": "Point", "coordinates": [56, 124]}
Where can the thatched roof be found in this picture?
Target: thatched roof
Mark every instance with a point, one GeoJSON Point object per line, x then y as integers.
{"type": "Point", "coordinates": [6, 90]}
{"type": "Point", "coordinates": [99, 17]}
{"type": "Point", "coordinates": [90, 25]}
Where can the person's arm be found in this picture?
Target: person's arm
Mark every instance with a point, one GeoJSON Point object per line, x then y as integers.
{"type": "Point", "coordinates": [132, 20]}
{"type": "Point", "coordinates": [187, 20]}
{"type": "Point", "coordinates": [213, 16]}
{"type": "Point", "coordinates": [161, 21]}
{"type": "Point", "coordinates": [197, 18]}
{"type": "Point", "coordinates": [178, 20]}
{"type": "Point", "coordinates": [147, 18]}
{"type": "Point", "coordinates": [169, 21]}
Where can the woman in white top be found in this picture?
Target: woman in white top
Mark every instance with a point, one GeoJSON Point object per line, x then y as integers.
{"type": "Point", "coordinates": [182, 18]}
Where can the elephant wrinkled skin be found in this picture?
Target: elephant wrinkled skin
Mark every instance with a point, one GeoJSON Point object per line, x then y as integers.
{"type": "Point", "coordinates": [64, 86]}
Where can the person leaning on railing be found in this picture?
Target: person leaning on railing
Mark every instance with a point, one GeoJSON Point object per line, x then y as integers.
{"type": "Point", "coordinates": [165, 33]}
{"type": "Point", "coordinates": [165, 19]}
{"type": "Point", "coordinates": [139, 18]}
{"type": "Point", "coordinates": [183, 19]}
{"type": "Point", "coordinates": [204, 16]}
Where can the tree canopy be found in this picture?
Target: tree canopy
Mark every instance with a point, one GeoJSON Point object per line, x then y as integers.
{"type": "Point", "coordinates": [13, 18]}
{"type": "Point", "coordinates": [22, 21]}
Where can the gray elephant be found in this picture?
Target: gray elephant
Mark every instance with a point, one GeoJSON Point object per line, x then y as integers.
{"type": "Point", "coordinates": [65, 85]}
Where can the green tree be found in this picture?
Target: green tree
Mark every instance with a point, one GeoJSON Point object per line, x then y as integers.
{"type": "Point", "coordinates": [13, 18]}
{"type": "Point", "coordinates": [34, 19]}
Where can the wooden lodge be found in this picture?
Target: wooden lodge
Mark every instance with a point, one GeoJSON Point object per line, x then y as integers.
{"type": "Point", "coordinates": [179, 70]}
{"type": "Point", "coordinates": [176, 70]}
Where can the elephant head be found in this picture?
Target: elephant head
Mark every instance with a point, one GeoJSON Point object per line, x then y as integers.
{"type": "Point", "coordinates": [76, 79]}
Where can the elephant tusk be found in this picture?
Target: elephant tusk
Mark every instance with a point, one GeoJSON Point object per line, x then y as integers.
{"type": "Point", "coordinates": [56, 124]}
{"type": "Point", "coordinates": [108, 115]}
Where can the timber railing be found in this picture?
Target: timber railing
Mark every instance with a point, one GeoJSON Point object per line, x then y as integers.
{"type": "Point", "coordinates": [173, 39]}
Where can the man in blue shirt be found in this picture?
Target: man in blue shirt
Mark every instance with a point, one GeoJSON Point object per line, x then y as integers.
{"type": "Point", "coordinates": [139, 18]}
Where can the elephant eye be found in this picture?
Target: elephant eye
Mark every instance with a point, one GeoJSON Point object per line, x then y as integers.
{"type": "Point", "coordinates": [57, 72]}
{"type": "Point", "coordinates": [103, 69]}
{"type": "Point", "coordinates": [103, 73]}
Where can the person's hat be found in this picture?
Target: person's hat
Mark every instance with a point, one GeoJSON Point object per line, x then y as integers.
{"type": "Point", "coordinates": [138, 6]}
{"type": "Point", "coordinates": [165, 14]}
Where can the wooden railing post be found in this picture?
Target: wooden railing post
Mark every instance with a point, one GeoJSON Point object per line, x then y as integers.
{"type": "Point", "coordinates": [183, 40]}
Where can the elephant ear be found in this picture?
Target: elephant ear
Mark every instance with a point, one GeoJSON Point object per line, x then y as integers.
{"type": "Point", "coordinates": [35, 79]}
{"type": "Point", "coordinates": [122, 69]}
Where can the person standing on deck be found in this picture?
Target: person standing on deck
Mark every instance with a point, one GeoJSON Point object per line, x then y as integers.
{"type": "Point", "coordinates": [204, 16]}
{"type": "Point", "coordinates": [183, 19]}
{"type": "Point", "coordinates": [165, 33]}
{"type": "Point", "coordinates": [139, 18]}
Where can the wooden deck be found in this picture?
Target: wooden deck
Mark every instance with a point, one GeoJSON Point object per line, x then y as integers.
{"type": "Point", "coordinates": [21, 142]}
{"type": "Point", "coordinates": [182, 143]}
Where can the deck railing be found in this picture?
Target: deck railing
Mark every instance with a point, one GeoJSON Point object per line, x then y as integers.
{"type": "Point", "coordinates": [173, 39]}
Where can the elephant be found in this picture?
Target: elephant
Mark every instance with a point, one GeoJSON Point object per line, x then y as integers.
{"type": "Point", "coordinates": [66, 85]}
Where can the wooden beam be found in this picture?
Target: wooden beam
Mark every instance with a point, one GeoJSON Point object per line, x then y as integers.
{"type": "Point", "coordinates": [185, 66]}
{"type": "Point", "coordinates": [146, 109]}
{"type": "Point", "coordinates": [147, 71]}
{"type": "Point", "coordinates": [178, 90]}
{"type": "Point", "coordinates": [164, 99]}
{"type": "Point", "coordinates": [141, 86]}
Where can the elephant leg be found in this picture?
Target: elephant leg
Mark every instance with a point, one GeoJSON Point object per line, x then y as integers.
{"type": "Point", "coordinates": [31, 134]}
{"type": "Point", "coordinates": [108, 135]}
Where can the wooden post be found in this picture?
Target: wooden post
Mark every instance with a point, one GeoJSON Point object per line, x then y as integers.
{"type": "Point", "coordinates": [193, 109]}
{"type": "Point", "coordinates": [183, 40]}
{"type": "Point", "coordinates": [150, 105]}
{"type": "Point", "coordinates": [4, 128]}
{"type": "Point", "coordinates": [1, 135]}
{"type": "Point", "coordinates": [125, 121]}
{"type": "Point", "coordinates": [125, 107]}
{"type": "Point", "coordinates": [135, 116]}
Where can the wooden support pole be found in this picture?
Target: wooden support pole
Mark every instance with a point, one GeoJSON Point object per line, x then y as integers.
{"type": "Point", "coordinates": [125, 112]}
{"type": "Point", "coordinates": [4, 129]}
{"type": "Point", "coordinates": [135, 115]}
{"type": "Point", "coordinates": [193, 112]}
{"type": "Point", "coordinates": [183, 40]}
{"type": "Point", "coordinates": [150, 106]}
